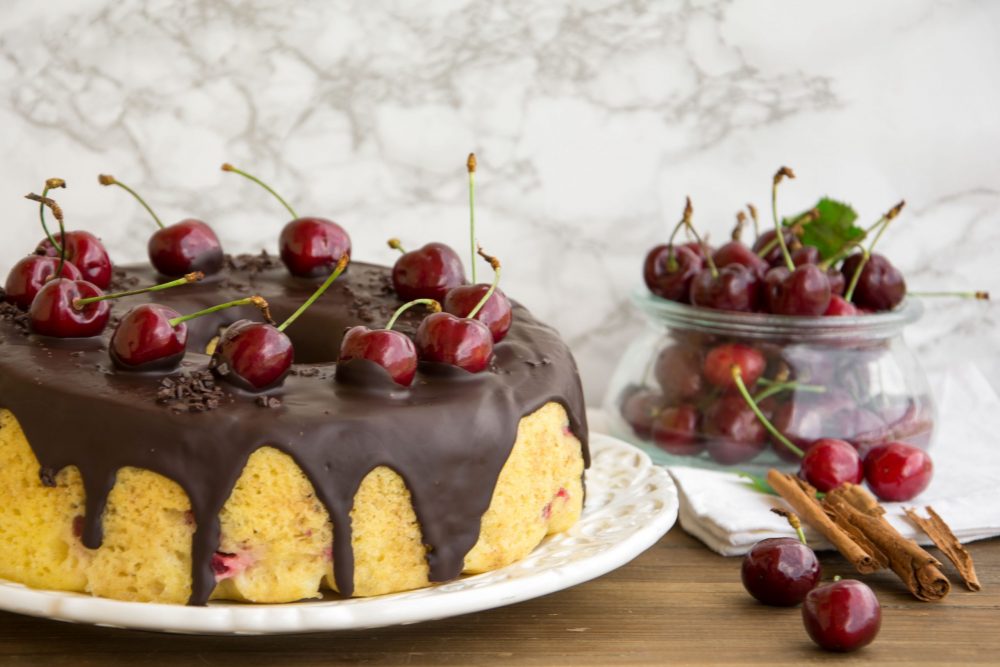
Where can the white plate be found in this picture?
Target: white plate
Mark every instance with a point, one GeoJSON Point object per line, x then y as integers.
{"type": "Point", "coordinates": [630, 504]}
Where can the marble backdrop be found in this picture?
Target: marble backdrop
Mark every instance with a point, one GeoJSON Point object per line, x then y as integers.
{"type": "Point", "coordinates": [591, 120]}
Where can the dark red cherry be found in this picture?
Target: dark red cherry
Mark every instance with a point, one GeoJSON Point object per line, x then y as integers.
{"type": "Point", "coordinates": [427, 272]}
{"type": "Point", "coordinates": [837, 282]}
{"type": "Point", "coordinates": [185, 246]}
{"type": "Point", "coordinates": [804, 292]}
{"type": "Point", "coordinates": [53, 313]}
{"type": "Point", "coordinates": [496, 312]}
{"type": "Point", "coordinates": [698, 248]}
{"type": "Point", "coordinates": [780, 571]}
{"type": "Point", "coordinates": [30, 274]}
{"type": "Point", "coordinates": [881, 285]}
{"type": "Point", "coordinates": [86, 252]}
{"type": "Point", "coordinates": [311, 247]}
{"type": "Point", "coordinates": [675, 431]}
{"type": "Point", "coordinates": [253, 355]}
{"type": "Point", "coordinates": [678, 372]}
{"type": "Point", "coordinates": [671, 279]}
{"type": "Point", "coordinates": [720, 360]}
{"type": "Point", "coordinates": [897, 471]}
{"type": "Point", "coordinates": [390, 349]}
{"type": "Point", "coordinates": [840, 307]}
{"type": "Point", "coordinates": [842, 616]}
{"type": "Point", "coordinates": [734, 433]}
{"type": "Point", "coordinates": [768, 237]}
{"type": "Point", "coordinates": [639, 409]}
{"type": "Point", "coordinates": [735, 287]}
{"type": "Point", "coordinates": [830, 462]}
{"type": "Point", "coordinates": [458, 341]}
{"type": "Point", "coordinates": [145, 340]}
{"type": "Point", "coordinates": [806, 254]}
{"type": "Point", "coordinates": [735, 252]}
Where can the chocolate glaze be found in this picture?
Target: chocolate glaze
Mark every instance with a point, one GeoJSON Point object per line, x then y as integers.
{"type": "Point", "coordinates": [448, 436]}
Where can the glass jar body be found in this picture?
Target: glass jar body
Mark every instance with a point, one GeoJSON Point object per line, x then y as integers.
{"type": "Point", "coordinates": [849, 378]}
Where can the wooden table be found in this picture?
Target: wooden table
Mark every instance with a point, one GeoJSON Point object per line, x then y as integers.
{"type": "Point", "coordinates": [677, 603]}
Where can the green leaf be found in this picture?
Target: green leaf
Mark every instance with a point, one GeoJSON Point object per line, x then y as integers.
{"type": "Point", "coordinates": [759, 483]}
{"type": "Point", "coordinates": [833, 229]}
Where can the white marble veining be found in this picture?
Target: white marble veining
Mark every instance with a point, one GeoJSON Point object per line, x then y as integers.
{"type": "Point", "coordinates": [591, 121]}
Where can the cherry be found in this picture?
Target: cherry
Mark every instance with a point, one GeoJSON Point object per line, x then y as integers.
{"type": "Point", "coordinates": [496, 312]}
{"type": "Point", "coordinates": [459, 341]}
{"type": "Point", "coordinates": [152, 336]}
{"type": "Point", "coordinates": [804, 291]}
{"type": "Point", "coordinates": [736, 435]}
{"type": "Point", "coordinates": [880, 285]}
{"type": "Point", "coordinates": [840, 307]}
{"type": "Point", "coordinates": [732, 287]}
{"type": "Point", "coordinates": [719, 362]}
{"type": "Point", "coordinates": [830, 462]}
{"type": "Point", "coordinates": [735, 252]}
{"type": "Point", "coordinates": [639, 409]}
{"type": "Point", "coordinates": [806, 254]}
{"type": "Point", "coordinates": [258, 355]}
{"type": "Point", "coordinates": [780, 571]}
{"type": "Point", "coordinates": [309, 247]}
{"type": "Point", "coordinates": [85, 251]}
{"type": "Point", "coordinates": [842, 616]}
{"type": "Point", "coordinates": [668, 271]}
{"type": "Point", "coordinates": [800, 423]}
{"type": "Point", "coordinates": [767, 248]}
{"type": "Point", "coordinates": [183, 247]}
{"type": "Point", "coordinates": [391, 350]}
{"type": "Point", "coordinates": [30, 274]}
{"type": "Point", "coordinates": [897, 472]}
{"type": "Point", "coordinates": [54, 313]}
{"type": "Point", "coordinates": [426, 273]}
{"type": "Point", "coordinates": [678, 371]}
{"type": "Point", "coordinates": [144, 339]}
{"type": "Point", "coordinates": [675, 431]}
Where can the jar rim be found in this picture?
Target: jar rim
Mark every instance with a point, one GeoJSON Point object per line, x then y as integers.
{"type": "Point", "coordinates": [766, 325]}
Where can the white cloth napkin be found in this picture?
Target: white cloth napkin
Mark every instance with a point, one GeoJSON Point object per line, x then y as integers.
{"type": "Point", "coordinates": [729, 516]}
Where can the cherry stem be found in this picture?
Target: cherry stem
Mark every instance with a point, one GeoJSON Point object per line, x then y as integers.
{"type": "Point", "coordinates": [57, 212]}
{"type": "Point", "coordinates": [742, 388]}
{"type": "Point", "coordinates": [741, 221]}
{"type": "Point", "coordinates": [882, 224]}
{"type": "Point", "coordinates": [978, 295]}
{"type": "Point", "coordinates": [495, 263]}
{"type": "Point", "coordinates": [683, 222]}
{"type": "Point", "coordinates": [794, 522]}
{"type": "Point", "coordinates": [688, 212]}
{"type": "Point", "coordinates": [108, 179]}
{"type": "Point", "coordinates": [341, 265]}
{"type": "Point", "coordinates": [470, 164]}
{"type": "Point", "coordinates": [78, 304]}
{"type": "Point", "coordinates": [430, 303]}
{"type": "Point", "coordinates": [246, 301]}
{"type": "Point", "coordinates": [756, 223]}
{"type": "Point", "coordinates": [778, 387]}
{"type": "Point", "coordinates": [850, 246]}
{"type": "Point", "coordinates": [50, 184]}
{"type": "Point", "coordinates": [396, 245]}
{"type": "Point", "coordinates": [780, 175]}
{"type": "Point", "coordinates": [229, 167]}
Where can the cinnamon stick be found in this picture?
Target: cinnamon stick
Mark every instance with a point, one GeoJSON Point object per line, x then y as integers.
{"type": "Point", "coordinates": [802, 498]}
{"type": "Point", "coordinates": [919, 570]}
{"type": "Point", "coordinates": [945, 540]}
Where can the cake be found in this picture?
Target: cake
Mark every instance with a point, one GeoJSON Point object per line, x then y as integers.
{"type": "Point", "coordinates": [178, 487]}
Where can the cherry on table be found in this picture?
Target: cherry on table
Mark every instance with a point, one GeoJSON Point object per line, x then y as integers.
{"type": "Point", "coordinates": [897, 472]}
{"type": "Point", "coordinates": [842, 616]}
{"type": "Point", "coordinates": [780, 571]}
{"type": "Point", "coordinates": [830, 462]}
{"type": "Point", "coordinates": [31, 273]}
{"type": "Point", "coordinates": [669, 270]}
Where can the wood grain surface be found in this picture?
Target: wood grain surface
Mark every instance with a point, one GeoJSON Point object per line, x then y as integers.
{"type": "Point", "coordinates": [676, 604]}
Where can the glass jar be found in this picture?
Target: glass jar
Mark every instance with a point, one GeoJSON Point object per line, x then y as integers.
{"type": "Point", "coordinates": [852, 378]}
